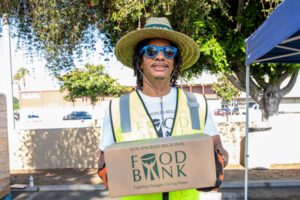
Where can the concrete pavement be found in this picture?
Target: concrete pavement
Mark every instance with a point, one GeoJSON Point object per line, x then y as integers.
{"type": "Point", "coordinates": [229, 190]}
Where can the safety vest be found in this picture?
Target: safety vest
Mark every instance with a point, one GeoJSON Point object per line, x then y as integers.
{"type": "Point", "coordinates": [131, 121]}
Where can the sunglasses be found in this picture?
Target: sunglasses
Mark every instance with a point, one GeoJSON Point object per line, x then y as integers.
{"type": "Point", "coordinates": [151, 51]}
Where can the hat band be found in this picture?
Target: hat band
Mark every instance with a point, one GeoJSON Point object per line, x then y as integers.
{"type": "Point", "coordinates": [158, 26]}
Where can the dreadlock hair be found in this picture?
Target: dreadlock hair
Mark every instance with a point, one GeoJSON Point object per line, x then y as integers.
{"type": "Point", "coordinates": [137, 61]}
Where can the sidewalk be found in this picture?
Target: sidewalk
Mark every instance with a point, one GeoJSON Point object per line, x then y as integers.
{"type": "Point", "coordinates": [279, 181]}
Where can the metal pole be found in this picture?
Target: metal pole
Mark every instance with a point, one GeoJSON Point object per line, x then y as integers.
{"type": "Point", "coordinates": [11, 73]}
{"type": "Point", "coordinates": [247, 130]}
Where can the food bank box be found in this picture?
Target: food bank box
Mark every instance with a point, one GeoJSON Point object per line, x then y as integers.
{"type": "Point", "coordinates": [160, 165]}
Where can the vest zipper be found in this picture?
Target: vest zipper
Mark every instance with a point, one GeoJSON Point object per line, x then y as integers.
{"type": "Point", "coordinates": [165, 195]}
{"type": "Point", "coordinates": [162, 113]}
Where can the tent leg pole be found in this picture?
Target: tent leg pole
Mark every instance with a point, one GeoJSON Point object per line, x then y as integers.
{"type": "Point", "coordinates": [247, 130]}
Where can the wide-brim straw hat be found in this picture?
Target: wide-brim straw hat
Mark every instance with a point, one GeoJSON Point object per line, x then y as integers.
{"type": "Point", "coordinates": [157, 27]}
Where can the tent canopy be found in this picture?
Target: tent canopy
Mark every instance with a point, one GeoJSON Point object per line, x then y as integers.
{"type": "Point", "coordinates": [277, 40]}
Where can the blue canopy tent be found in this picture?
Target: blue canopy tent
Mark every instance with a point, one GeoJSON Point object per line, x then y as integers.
{"type": "Point", "coordinates": [277, 40]}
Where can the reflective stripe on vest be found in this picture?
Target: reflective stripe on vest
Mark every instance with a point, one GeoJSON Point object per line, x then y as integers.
{"type": "Point", "coordinates": [131, 121]}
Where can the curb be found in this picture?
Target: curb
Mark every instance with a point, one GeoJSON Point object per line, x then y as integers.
{"type": "Point", "coordinates": [262, 184]}
{"type": "Point", "coordinates": [85, 187]}
{"type": "Point", "coordinates": [225, 185]}
{"type": "Point", "coordinates": [75, 187]}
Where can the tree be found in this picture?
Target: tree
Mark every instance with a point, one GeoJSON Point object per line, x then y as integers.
{"type": "Point", "coordinates": [91, 82]}
{"type": "Point", "coordinates": [225, 89]}
{"type": "Point", "coordinates": [20, 76]}
{"type": "Point", "coordinates": [219, 27]}
{"type": "Point", "coordinates": [16, 103]}
{"type": "Point", "coordinates": [221, 36]}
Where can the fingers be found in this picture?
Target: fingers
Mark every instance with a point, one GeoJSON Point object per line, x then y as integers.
{"type": "Point", "coordinates": [221, 151]}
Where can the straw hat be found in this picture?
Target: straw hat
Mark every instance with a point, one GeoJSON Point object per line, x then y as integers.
{"type": "Point", "coordinates": [157, 27]}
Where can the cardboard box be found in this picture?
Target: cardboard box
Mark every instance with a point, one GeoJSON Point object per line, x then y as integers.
{"type": "Point", "coordinates": [160, 165]}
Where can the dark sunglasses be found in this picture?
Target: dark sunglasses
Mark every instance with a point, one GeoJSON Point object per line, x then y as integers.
{"type": "Point", "coordinates": [151, 51]}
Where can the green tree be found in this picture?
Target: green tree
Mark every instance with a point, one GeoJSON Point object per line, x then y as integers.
{"type": "Point", "coordinates": [16, 105]}
{"type": "Point", "coordinates": [61, 29]}
{"type": "Point", "coordinates": [225, 89]}
{"type": "Point", "coordinates": [20, 77]}
{"type": "Point", "coordinates": [90, 82]}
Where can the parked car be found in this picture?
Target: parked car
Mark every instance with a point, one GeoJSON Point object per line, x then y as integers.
{"type": "Point", "coordinates": [33, 117]}
{"type": "Point", "coordinates": [77, 115]}
{"type": "Point", "coordinates": [17, 115]}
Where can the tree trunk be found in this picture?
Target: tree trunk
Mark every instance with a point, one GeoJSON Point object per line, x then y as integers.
{"type": "Point", "coordinates": [268, 95]}
{"type": "Point", "coordinates": [273, 95]}
{"type": "Point", "coordinates": [271, 100]}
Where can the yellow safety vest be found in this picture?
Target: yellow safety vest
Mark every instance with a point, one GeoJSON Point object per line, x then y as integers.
{"type": "Point", "coordinates": [131, 121]}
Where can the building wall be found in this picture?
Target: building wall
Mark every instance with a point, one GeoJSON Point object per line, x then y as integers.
{"type": "Point", "coordinates": [55, 148]}
{"type": "Point", "coordinates": [51, 106]}
{"type": "Point", "coordinates": [4, 156]}
{"type": "Point", "coordinates": [53, 98]}
{"type": "Point", "coordinates": [40, 102]}
{"type": "Point", "coordinates": [201, 89]}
